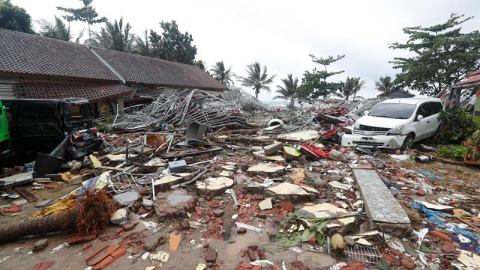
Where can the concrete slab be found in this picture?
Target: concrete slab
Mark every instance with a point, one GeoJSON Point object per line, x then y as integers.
{"type": "Point", "coordinates": [380, 205]}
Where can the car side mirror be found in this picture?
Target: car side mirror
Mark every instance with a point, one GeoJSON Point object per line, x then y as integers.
{"type": "Point", "coordinates": [366, 112]}
{"type": "Point", "coordinates": [419, 117]}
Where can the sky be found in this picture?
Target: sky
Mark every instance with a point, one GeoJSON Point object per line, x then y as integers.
{"type": "Point", "coordinates": [282, 34]}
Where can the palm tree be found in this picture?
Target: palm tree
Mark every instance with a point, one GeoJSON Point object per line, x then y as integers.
{"type": "Point", "coordinates": [221, 74]}
{"type": "Point", "coordinates": [288, 90]}
{"type": "Point", "coordinates": [350, 87]}
{"type": "Point", "coordinates": [386, 84]}
{"type": "Point", "coordinates": [58, 30]}
{"type": "Point", "coordinates": [257, 79]}
{"type": "Point", "coordinates": [143, 47]}
{"type": "Point", "coordinates": [357, 86]}
{"type": "Point", "coordinates": [113, 36]}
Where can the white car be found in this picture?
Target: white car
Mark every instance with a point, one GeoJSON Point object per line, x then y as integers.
{"type": "Point", "coordinates": [396, 123]}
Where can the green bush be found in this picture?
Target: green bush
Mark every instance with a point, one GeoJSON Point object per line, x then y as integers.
{"type": "Point", "coordinates": [456, 126]}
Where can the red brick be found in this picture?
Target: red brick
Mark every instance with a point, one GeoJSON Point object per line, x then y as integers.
{"type": "Point", "coordinates": [119, 252]}
{"type": "Point", "coordinates": [261, 254]}
{"type": "Point", "coordinates": [211, 255]}
{"type": "Point", "coordinates": [241, 231]}
{"type": "Point", "coordinates": [251, 255]}
{"type": "Point", "coordinates": [297, 264]}
{"type": "Point", "coordinates": [421, 192]}
{"type": "Point", "coordinates": [104, 263]}
{"type": "Point", "coordinates": [287, 206]}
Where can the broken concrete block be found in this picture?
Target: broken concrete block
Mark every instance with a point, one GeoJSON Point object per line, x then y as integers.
{"type": "Point", "coordinates": [218, 212]}
{"type": "Point", "coordinates": [267, 168]}
{"type": "Point", "coordinates": [150, 244]}
{"type": "Point", "coordinates": [266, 204]}
{"type": "Point", "coordinates": [126, 197]}
{"type": "Point", "coordinates": [165, 182]}
{"type": "Point", "coordinates": [272, 148]}
{"type": "Point", "coordinates": [215, 185]}
{"type": "Point", "coordinates": [288, 191]}
{"type": "Point", "coordinates": [316, 260]}
{"type": "Point", "coordinates": [119, 217]}
{"type": "Point", "coordinates": [174, 204]}
{"type": "Point", "coordinates": [300, 136]}
{"type": "Point", "coordinates": [40, 245]}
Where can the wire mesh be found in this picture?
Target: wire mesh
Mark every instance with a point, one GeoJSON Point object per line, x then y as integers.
{"type": "Point", "coordinates": [363, 253]}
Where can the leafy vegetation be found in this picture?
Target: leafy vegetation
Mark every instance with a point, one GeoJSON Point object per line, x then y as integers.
{"type": "Point", "coordinates": [289, 89]}
{"type": "Point", "coordinates": [442, 55]}
{"type": "Point", "coordinates": [386, 84]}
{"type": "Point", "coordinates": [314, 84]}
{"type": "Point", "coordinates": [456, 126]}
{"type": "Point", "coordinates": [14, 18]}
{"type": "Point", "coordinates": [86, 14]}
{"type": "Point", "coordinates": [257, 78]}
{"type": "Point", "coordinates": [221, 74]}
{"type": "Point", "coordinates": [350, 87]}
{"type": "Point", "coordinates": [114, 36]}
{"type": "Point", "coordinates": [58, 30]}
{"type": "Point", "coordinates": [172, 45]}
{"type": "Point", "coordinates": [454, 152]}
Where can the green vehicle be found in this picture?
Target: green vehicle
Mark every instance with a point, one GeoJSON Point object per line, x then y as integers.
{"type": "Point", "coordinates": [5, 143]}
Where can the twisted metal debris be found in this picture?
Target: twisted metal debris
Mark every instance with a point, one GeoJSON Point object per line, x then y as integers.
{"type": "Point", "coordinates": [246, 101]}
{"type": "Point", "coordinates": [183, 108]}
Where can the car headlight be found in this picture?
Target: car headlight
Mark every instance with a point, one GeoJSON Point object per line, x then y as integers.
{"type": "Point", "coordinates": [395, 131]}
{"type": "Point", "coordinates": [356, 126]}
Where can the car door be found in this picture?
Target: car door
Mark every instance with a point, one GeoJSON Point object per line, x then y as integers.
{"type": "Point", "coordinates": [421, 125]}
{"type": "Point", "coordinates": [435, 108]}
{"type": "Point", "coordinates": [429, 122]}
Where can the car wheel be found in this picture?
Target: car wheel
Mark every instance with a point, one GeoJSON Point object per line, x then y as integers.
{"type": "Point", "coordinates": [408, 142]}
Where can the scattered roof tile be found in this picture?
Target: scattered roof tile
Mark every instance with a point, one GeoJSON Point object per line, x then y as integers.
{"type": "Point", "coordinates": [22, 53]}
{"type": "Point", "coordinates": [47, 89]}
{"type": "Point", "coordinates": [146, 70]}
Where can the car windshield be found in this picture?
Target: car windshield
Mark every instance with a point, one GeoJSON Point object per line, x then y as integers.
{"type": "Point", "coordinates": [393, 110]}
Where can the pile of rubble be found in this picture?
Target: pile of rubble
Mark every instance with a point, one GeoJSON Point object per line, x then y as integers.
{"type": "Point", "coordinates": [271, 197]}
{"type": "Point", "coordinates": [181, 109]}
{"type": "Point", "coordinates": [244, 100]}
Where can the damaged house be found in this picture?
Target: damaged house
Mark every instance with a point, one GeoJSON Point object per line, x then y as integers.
{"type": "Point", "coordinates": [43, 68]}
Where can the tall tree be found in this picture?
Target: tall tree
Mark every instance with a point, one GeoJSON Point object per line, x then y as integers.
{"type": "Point", "coordinates": [314, 84]}
{"type": "Point", "coordinates": [201, 64]}
{"type": "Point", "coordinates": [172, 45]}
{"type": "Point", "coordinates": [351, 86]}
{"type": "Point", "coordinates": [114, 36]}
{"type": "Point", "coordinates": [58, 30]}
{"type": "Point", "coordinates": [358, 84]}
{"type": "Point", "coordinates": [256, 78]}
{"type": "Point", "coordinates": [288, 90]}
{"type": "Point", "coordinates": [386, 84]}
{"type": "Point", "coordinates": [84, 14]}
{"type": "Point", "coordinates": [142, 46]}
{"type": "Point", "coordinates": [14, 18]}
{"type": "Point", "coordinates": [221, 74]}
{"type": "Point", "coordinates": [441, 55]}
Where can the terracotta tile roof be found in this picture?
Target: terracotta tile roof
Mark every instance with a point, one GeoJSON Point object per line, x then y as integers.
{"type": "Point", "coordinates": [93, 91]}
{"type": "Point", "coordinates": [22, 53]}
{"type": "Point", "coordinates": [146, 70]}
{"type": "Point", "coordinates": [147, 91]}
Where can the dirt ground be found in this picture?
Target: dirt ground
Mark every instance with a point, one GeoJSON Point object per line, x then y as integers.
{"type": "Point", "coordinates": [18, 255]}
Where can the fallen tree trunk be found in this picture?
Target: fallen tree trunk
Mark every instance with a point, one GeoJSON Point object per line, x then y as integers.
{"type": "Point", "coordinates": [40, 226]}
